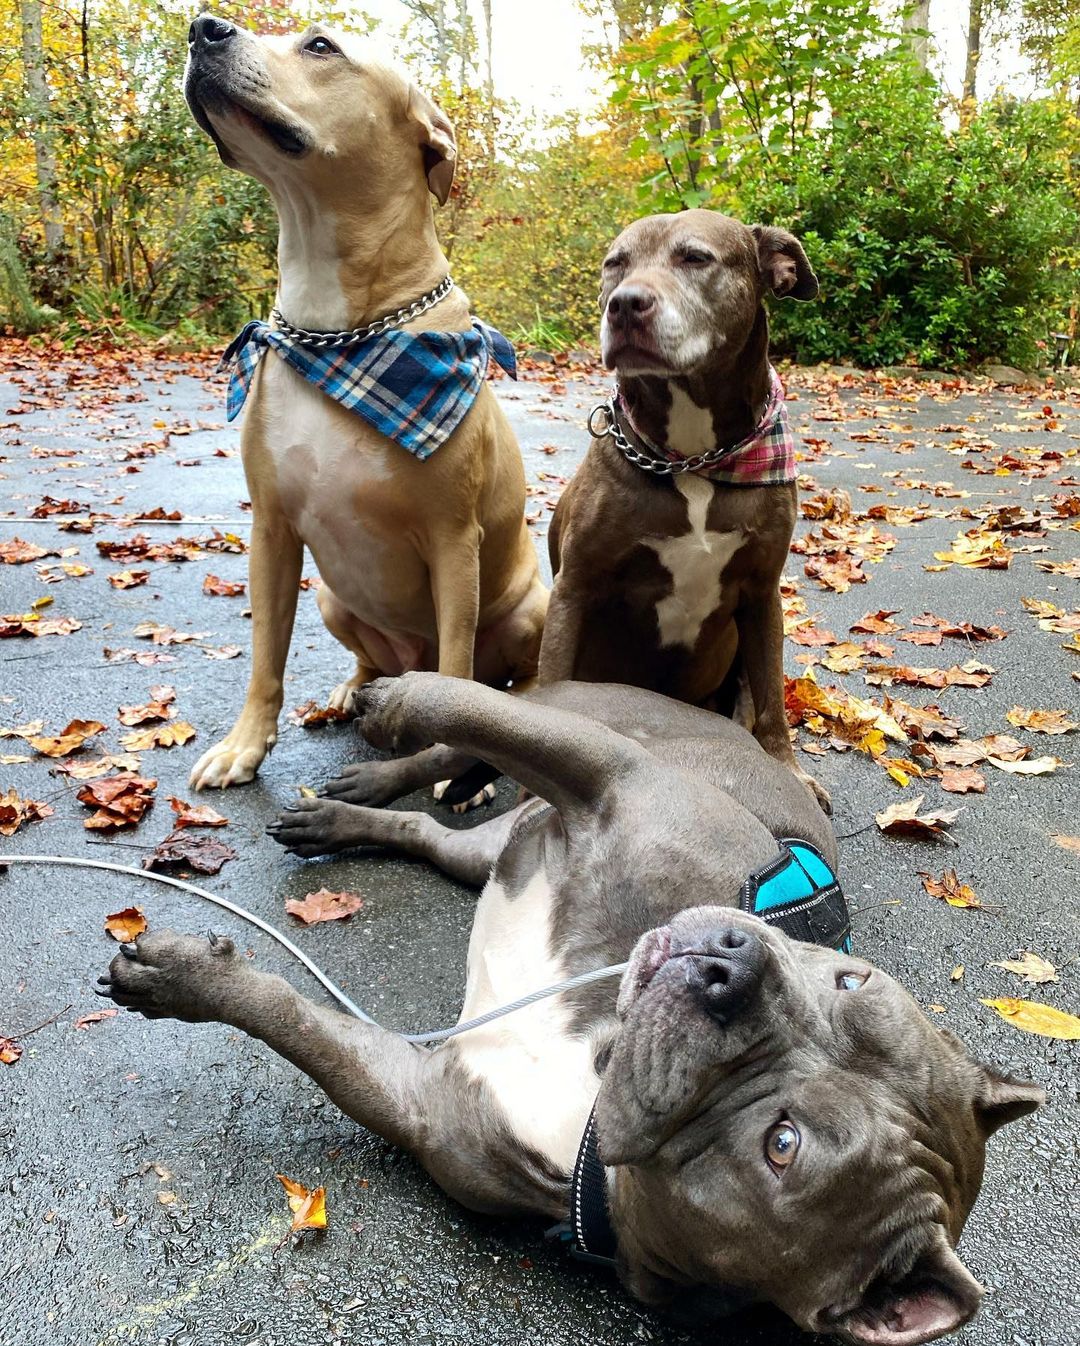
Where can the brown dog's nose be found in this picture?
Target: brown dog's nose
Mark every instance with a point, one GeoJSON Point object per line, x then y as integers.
{"type": "Point", "coordinates": [724, 970]}
{"type": "Point", "coordinates": [209, 31]}
{"type": "Point", "coordinates": [630, 303]}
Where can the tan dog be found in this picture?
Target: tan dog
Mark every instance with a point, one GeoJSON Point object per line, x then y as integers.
{"type": "Point", "coordinates": [667, 578]}
{"type": "Point", "coordinates": [425, 565]}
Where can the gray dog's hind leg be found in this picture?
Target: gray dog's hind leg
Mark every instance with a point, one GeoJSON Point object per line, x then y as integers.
{"type": "Point", "coordinates": [382, 782]}
{"type": "Point", "coordinates": [322, 826]}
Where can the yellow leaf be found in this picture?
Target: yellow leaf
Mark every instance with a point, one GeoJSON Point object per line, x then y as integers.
{"type": "Point", "coordinates": [1037, 766]}
{"type": "Point", "coordinates": [308, 1208]}
{"type": "Point", "coordinates": [1032, 1017]}
{"type": "Point", "coordinates": [957, 973]}
{"type": "Point", "coordinates": [42, 602]}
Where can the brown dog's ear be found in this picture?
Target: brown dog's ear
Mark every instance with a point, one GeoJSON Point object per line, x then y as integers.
{"type": "Point", "coordinates": [784, 266]}
{"type": "Point", "coordinates": [1003, 1100]}
{"type": "Point", "coordinates": [436, 141]}
{"type": "Point", "coordinates": [937, 1296]}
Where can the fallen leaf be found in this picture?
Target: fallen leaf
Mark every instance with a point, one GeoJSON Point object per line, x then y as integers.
{"type": "Point", "coordinates": [902, 819]}
{"type": "Point", "coordinates": [206, 855]}
{"type": "Point", "coordinates": [1066, 843]}
{"type": "Point", "coordinates": [313, 716]}
{"type": "Point", "coordinates": [31, 624]}
{"type": "Point", "coordinates": [957, 974]}
{"type": "Point", "coordinates": [221, 651]}
{"type": "Point", "coordinates": [159, 708]}
{"type": "Point", "coordinates": [923, 721]}
{"type": "Point", "coordinates": [97, 1017]}
{"type": "Point", "coordinates": [10, 1051]}
{"type": "Point", "coordinates": [950, 888]}
{"type": "Point", "coordinates": [190, 815]}
{"type": "Point", "coordinates": [983, 551]}
{"type": "Point", "coordinates": [876, 623]}
{"type": "Point", "coordinates": [69, 739]}
{"type": "Point", "coordinates": [324, 906]}
{"type": "Point", "coordinates": [308, 1208]}
{"type": "Point", "coordinates": [1032, 1017]}
{"type": "Point", "coordinates": [129, 579]}
{"type": "Point", "coordinates": [15, 811]}
{"type": "Point", "coordinates": [120, 800]}
{"type": "Point", "coordinates": [1029, 967]}
{"type": "Point", "coordinates": [166, 635]}
{"type": "Point", "coordinates": [1035, 766]}
{"type": "Point", "coordinates": [125, 925]}
{"type": "Point", "coordinates": [18, 553]}
{"type": "Point", "coordinates": [971, 674]}
{"type": "Point", "coordinates": [963, 780]}
{"type": "Point", "coordinates": [174, 734]}
{"type": "Point", "coordinates": [1041, 721]}
{"type": "Point", "coordinates": [89, 768]}
{"type": "Point", "coordinates": [213, 584]}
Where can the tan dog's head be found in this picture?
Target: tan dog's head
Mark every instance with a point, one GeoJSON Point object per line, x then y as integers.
{"type": "Point", "coordinates": [314, 112]}
{"type": "Point", "coordinates": [682, 292]}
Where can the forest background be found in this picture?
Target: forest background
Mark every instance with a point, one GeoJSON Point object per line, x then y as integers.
{"type": "Point", "coordinates": [945, 229]}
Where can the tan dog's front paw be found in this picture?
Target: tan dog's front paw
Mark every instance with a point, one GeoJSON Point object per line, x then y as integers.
{"type": "Point", "coordinates": [233, 761]}
{"type": "Point", "coordinates": [341, 696]}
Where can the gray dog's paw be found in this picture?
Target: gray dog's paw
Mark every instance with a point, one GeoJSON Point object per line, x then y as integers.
{"type": "Point", "coordinates": [383, 712]}
{"type": "Point", "coordinates": [163, 975]}
{"type": "Point", "coordinates": [313, 827]}
{"type": "Point", "coordinates": [369, 783]}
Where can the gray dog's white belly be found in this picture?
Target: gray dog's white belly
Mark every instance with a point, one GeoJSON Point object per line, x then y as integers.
{"type": "Point", "coordinates": [540, 1072]}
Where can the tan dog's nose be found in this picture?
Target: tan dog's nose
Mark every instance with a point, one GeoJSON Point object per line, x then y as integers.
{"type": "Point", "coordinates": [630, 303]}
{"type": "Point", "coordinates": [209, 31]}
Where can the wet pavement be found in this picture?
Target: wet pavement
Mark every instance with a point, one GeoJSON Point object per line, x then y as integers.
{"type": "Point", "coordinates": [137, 1159]}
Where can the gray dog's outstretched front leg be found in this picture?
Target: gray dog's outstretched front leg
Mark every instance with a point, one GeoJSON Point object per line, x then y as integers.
{"type": "Point", "coordinates": [564, 758]}
{"type": "Point", "coordinates": [371, 1074]}
{"type": "Point", "coordinates": [375, 783]}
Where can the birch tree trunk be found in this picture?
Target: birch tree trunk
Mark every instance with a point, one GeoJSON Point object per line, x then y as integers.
{"type": "Point", "coordinates": [974, 50]}
{"type": "Point", "coordinates": [489, 81]}
{"type": "Point", "coordinates": [37, 97]}
{"type": "Point", "coordinates": [916, 26]}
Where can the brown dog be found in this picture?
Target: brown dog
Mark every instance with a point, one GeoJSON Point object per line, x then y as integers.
{"type": "Point", "coordinates": [667, 578]}
{"type": "Point", "coordinates": [425, 564]}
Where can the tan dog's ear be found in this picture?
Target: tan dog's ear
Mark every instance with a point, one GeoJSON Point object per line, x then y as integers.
{"type": "Point", "coordinates": [784, 266]}
{"type": "Point", "coordinates": [436, 141]}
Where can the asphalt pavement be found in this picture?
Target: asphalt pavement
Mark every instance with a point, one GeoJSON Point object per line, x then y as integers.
{"type": "Point", "coordinates": [138, 1159]}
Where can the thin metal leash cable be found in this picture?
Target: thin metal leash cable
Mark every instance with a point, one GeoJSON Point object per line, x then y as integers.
{"type": "Point", "coordinates": [420, 1039]}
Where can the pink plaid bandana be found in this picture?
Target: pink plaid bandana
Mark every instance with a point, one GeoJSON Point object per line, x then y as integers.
{"type": "Point", "coordinates": [764, 458]}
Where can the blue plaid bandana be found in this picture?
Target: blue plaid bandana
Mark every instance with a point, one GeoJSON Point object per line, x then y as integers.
{"type": "Point", "coordinates": [413, 387]}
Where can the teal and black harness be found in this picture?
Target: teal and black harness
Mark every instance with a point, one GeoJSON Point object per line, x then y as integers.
{"type": "Point", "coordinates": [798, 893]}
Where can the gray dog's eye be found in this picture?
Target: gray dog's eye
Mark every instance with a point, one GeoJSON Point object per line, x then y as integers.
{"type": "Point", "coordinates": [849, 981]}
{"type": "Point", "coordinates": [782, 1145]}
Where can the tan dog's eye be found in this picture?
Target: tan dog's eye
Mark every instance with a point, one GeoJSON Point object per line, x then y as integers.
{"type": "Point", "coordinates": [850, 981]}
{"type": "Point", "coordinates": [781, 1145]}
{"type": "Point", "coordinates": [613, 261]}
{"type": "Point", "coordinates": [320, 46]}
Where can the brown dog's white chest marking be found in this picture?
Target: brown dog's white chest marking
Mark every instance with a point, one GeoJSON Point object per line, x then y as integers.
{"type": "Point", "coordinates": [696, 562]}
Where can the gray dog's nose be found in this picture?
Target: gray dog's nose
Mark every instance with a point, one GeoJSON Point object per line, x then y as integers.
{"type": "Point", "coordinates": [630, 302]}
{"type": "Point", "coordinates": [209, 31]}
{"type": "Point", "coordinates": [724, 971]}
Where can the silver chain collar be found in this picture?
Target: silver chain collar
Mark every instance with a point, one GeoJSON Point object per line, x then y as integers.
{"type": "Point", "coordinates": [649, 462]}
{"type": "Point", "coordinates": [333, 340]}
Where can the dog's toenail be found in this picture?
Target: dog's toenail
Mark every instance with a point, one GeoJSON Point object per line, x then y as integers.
{"type": "Point", "coordinates": [104, 992]}
{"type": "Point", "coordinates": [130, 950]}
{"type": "Point", "coordinates": [211, 937]}
{"type": "Point", "coordinates": [104, 981]}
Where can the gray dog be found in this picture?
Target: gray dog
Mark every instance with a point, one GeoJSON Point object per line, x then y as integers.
{"type": "Point", "coordinates": [750, 1113]}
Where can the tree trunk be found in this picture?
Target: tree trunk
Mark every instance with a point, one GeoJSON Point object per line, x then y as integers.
{"type": "Point", "coordinates": [489, 82]}
{"type": "Point", "coordinates": [463, 43]}
{"type": "Point", "coordinates": [974, 51]}
{"type": "Point", "coordinates": [916, 35]}
{"type": "Point", "coordinates": [37, 98]}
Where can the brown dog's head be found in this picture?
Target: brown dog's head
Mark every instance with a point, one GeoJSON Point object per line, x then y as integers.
{"type": "Point", "coordinates": [314, 113]}
{"type": "Point", "coordinates": [682, 292]}
{"type": "Point", "coordinates": [783, 1121]}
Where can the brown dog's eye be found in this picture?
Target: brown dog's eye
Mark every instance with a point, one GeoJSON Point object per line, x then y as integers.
{"type": "Point", "coordinates": [781, 1145]}
{"type": "Point", "coordinates": [850, 981]}
{"type": "Point", "coordinates": [696, 257]}
{"type": "Point", "coordinates": [320, 46]}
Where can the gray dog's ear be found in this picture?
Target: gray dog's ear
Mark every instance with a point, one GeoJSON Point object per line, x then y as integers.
{"type": "Point", "coordinates": [1003, 1100]}
{"type": "Point", "coordinates": [784, 266]}
{"type": "Point", "coordinates": [937, 1296]}
{"type": "Point", "coordinates": [436, 141]}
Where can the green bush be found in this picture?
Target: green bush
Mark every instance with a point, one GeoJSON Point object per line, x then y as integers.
{"type": "Point", "coordinates": [933, 246]}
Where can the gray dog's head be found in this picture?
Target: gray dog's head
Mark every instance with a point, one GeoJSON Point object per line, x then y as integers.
{"type": "Point", "coordinates": [784, 1121]}
{"type": "Point", "coordinates": [683, 292]}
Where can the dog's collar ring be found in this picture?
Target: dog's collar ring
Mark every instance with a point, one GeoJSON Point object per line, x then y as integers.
{"type": "Point", "coordinates": [652, 462]}
{"type": "Point", "coordinates": [333, 340]}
